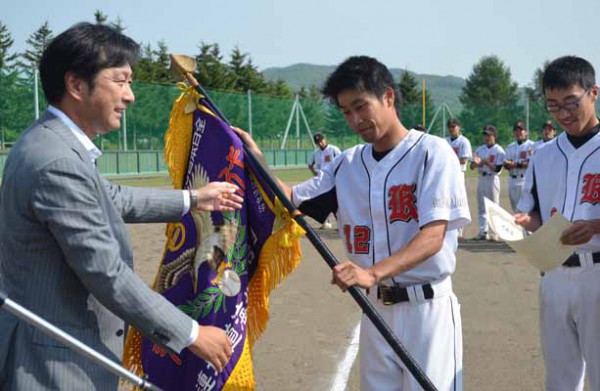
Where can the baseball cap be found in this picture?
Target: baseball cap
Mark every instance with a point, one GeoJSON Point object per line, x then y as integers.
{"type": "Point", "coordinates": [548, 124]}
{"type": "Point", "coordinates": [318, 137]}
{"type": "Point", "coordinates": [519, 125]}
{"type": "Point", "coordinates": [490, 130]}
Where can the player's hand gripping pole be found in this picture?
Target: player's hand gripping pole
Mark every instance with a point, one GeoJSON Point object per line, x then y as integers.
{"type": "Point", "coordinates": [185, 66]}
{"type": "Point", "coordinates": [81, 348]}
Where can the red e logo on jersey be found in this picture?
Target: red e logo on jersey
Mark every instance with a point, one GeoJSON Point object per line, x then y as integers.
{"type": "Point", "coordinates": [327, 158]}
{"type": "Point", "coordinates": [523, 155]}
{"type": "Point", "coordinates": [403, 203]}
{"type": "Point", "coordinates": [591, 189]}
{"type": "Point", "coordinates": [492, 158]}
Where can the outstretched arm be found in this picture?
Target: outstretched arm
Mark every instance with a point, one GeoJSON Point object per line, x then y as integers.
{"type": "Point", "coordinates": [249, 141]}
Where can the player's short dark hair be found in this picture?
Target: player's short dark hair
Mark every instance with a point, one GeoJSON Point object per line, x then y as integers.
{"type": "Point", "coordinates": [568, 71]}
{"type": "Point", "coordinates": [452, 122]}
{"type": "Point", "coordinates": [548, 125]}
{"type": "Point", "coordinates": [361, 73]}
{"type": "Point", "coordinates": [318, 137]}
{"type": "Point", "coordinates": [84, 49]}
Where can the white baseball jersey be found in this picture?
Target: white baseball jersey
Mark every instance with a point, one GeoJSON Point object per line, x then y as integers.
{"type": "Point", "coordinates": [322, 157]}
{"type": "Point", "coordinates": [539, 144]}
{"type": "Point", "coordinates": [494, 154]}
{"type": "Point", "coordinates": [381, 206]}
{"type": "Point", "coordinates": [462, 148]}
{"type": "Point", "coordinates": [567, 179]}
{"type": "Point", "coordinates": [518, 153]}
{"type": "Point", "coordinates": [488, 185]}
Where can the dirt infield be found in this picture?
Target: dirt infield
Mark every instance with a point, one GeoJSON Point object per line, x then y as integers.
{"type": "Point", "coordinates": [312, 322]}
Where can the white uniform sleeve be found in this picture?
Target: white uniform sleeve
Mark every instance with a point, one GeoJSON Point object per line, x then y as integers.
{"type": "Point", "coordinates": [318, 185]}
{"type": "Point", "coordinates": [466, 149]}
{"type": "Point", "coordinates": [527, 202]}
{"type": "Point", "coordinates": [442, 194]}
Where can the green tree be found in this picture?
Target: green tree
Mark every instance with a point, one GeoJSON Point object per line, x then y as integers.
{"type": "Point", "coordinates": [537, 103]}
{"type": "Point", "coordinates": [38, 41]}
{"type": "Point", "coordinates": [118, 25]}
{"type": "Point", "coordinates": [245, 75]}
{"type": "Point", "coordinates": [211, 73]}
{"type": "Point", "coordinates": [489, 97]}
{"type": "Point", "coordinates": [100, 17]}
{"type": "Point", "coordinates": [144, 69]}
{"type": "Point", "coordinates": [6, 42]}
{"type": "Point", "coordinates": [162, 74]}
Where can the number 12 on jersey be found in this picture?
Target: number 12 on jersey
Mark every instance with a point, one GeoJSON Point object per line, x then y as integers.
{"type": "Point", "coordinates": [358, 239]}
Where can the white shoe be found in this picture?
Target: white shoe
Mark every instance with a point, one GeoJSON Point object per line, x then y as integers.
{"type": "Point", "coordinates": [327, 225]}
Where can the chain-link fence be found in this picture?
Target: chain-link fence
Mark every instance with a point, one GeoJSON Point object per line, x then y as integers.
{"type": "Point", "coordinates": [276, 123]}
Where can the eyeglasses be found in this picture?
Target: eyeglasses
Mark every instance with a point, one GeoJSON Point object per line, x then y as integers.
{"type": "Point", "coordinates": [555, 108]}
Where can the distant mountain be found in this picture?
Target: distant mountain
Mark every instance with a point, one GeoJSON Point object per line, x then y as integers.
{"type": "Point", "coordinates": [444, 89]}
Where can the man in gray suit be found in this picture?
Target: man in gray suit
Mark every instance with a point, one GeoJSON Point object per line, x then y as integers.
{"type": "Point", "coordinates": [64, 247]}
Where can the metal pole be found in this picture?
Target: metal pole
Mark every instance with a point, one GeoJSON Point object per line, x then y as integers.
{"type": "Point", "coordinates": [125, 130]}
{"type": "Point", "coordinates": [73, 343]}
{"type": "Point", "coordinates": [297, 122]}
{"type": "Point", "coordinates": [443, 121]}
{"type": "Point", "coordinates": [289, 123]}
{"type": "Point", "coordinates": [36, 99]}
{"type": "Point", "coordinates": [250, 111]}
{"type": "Point", "coordinates": [424, 103]}
{"type": "Point", "coordinates": [527, 112]}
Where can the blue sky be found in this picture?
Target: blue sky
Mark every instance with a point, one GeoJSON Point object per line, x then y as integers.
{"type": "Point", "coordinates": [424, 36]}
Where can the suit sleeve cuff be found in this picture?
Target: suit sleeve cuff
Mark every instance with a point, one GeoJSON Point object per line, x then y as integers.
{"type": "Point", "coordinates": [186, 202]}
{"type": "Point", "coordinates": [193, 334]}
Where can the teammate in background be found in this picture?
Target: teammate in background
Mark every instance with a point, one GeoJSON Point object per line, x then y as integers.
{"type": "Point", "coordinates": [487, 159]}
{"type": "Point", "coordinates": [516, 161]}
{"type": "Point", "coordinates": [399, 201]}
{"type": "Point", "coordinates": [321, 157]}
{"type": "Point", "coordinates": [548, 133]}
{"type": "Point", "coordinates": [461, 146]}
{"type": "Point", "coordinates": [565, 176]}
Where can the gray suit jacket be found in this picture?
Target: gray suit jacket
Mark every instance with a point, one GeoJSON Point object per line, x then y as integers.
{"type": "Point", "coordinates": [65, 255]}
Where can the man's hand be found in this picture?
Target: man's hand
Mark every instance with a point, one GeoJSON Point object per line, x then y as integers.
{"type": "Point", "coordinates": [530, 221]}
{"type": "Point", "coordinates": [347, 274]}
{"type": "Point", "coordinates": [213, 346]}
{"type": "Point", "coordinates": [580, 232]}
{"type": "Point", "coordinates": [218, 196]}
{"type": "Point", "coordinates": [250, 144]}
{"type": "Point", "coordinates": [509, 164]}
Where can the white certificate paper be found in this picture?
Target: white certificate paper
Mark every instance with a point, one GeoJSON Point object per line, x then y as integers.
{"type": "Point", "coordinates": [543, 248]}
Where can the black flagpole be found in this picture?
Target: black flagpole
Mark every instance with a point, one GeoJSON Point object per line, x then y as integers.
{"type": "Point", "coordinates": [327, 255]}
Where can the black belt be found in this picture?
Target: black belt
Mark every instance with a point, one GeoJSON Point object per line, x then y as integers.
{"type": "Point", "coordinates": [396, 294]}
{"type": "Point", "coordinates": [573, 260]}
{"type": "Point", "coordinates": [485, 174]}
{"type": "Point", "coordinates": [517, 176]}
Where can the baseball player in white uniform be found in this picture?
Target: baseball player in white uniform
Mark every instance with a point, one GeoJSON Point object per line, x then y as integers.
{"type": "Point", "coordinates": [548, 133]}
{"type": "Point", "coordinates": [323, 155]}
{"type": "Point", "coordinates": [516, 161]}
{"type": "Point", "coordinates": [399, 200]}
{"type": "Point", "coordinates": [565, 176]}
{"type": "Point", "coordinates": [459, 143]}
{"type": "Point", "coordinates": [461, 147]}
{"type": "Point", "coordinates": [320, 158]}
{"type": "Point", "coordinates": [487, 159]}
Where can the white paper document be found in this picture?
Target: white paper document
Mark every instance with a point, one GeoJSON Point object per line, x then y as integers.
{"type": "Point", "coordinates": [543, 248]}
